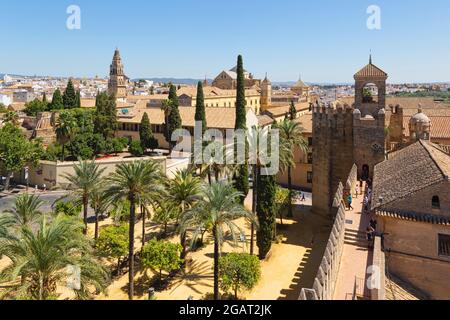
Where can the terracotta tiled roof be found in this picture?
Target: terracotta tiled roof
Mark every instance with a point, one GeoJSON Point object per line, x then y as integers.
{"type": "Point", "coordinates": [306, 122]}
{"type": "Point", "coordinates": [264, 120]}
{"type": "Point", "coordinates": [440, 127]}
{"type": "Point", "coordinates": [415, 217]}
{"type": "Point", "coordinates": [371, 70]}
{"type": "Point", "coordinates": [218, 118]}
{"type": "Point", "coordinates": [281, 111]}
{"type": "Point", "coordinates": [409, 170]}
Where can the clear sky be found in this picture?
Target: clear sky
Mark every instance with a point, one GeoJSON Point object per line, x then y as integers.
{"type": "Point", "coordinates": [324, 40]}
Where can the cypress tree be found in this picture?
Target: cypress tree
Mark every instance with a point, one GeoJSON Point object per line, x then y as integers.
{"type": "Point", "coordinates": [241, 177]}
{"type": "Point", "coordinates": [265, 209]}
{"type": "Point", "coordinates": [78, 100]}
{"type": "Point", "coordinates": [174, 116]}
{"type": "Point", "coordinates": [200, 112]}
{"type": "Point", "coordinates": [145, 132]}
{"type": "Point", "coordinates": [70, 96]}
{"type": "Point", "coordinates": [57, 101]}
{"type": "Point", "coordinates": [44, 98]}
{"type": "Point", "coordinates": [292, 111]}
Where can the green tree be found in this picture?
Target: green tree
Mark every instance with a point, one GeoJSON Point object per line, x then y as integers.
{"type": "Point", "coordinates": [34, 107]}
{"type": "Point", "coordinates": [137, 183]}
{"type": "Point", "coordinates": [200, 112]}
{"type": "Point", "coordinates": [65, 130]}
{"type": "Point", "coordinates": [16, 151]}
{"type": "Point", "coordinates": [281, 201]}
{"type": "Point", "coordinates": [218, 209]}
{"type": "Point", "coordinates": [145, 132]}
{"type": "Point", "coordinates": [26, 210]}
{"type": "Point", "coordinates": [100, 205]}
{"type": "Point", "coordinates": [242, 174]}
{"type": "Point", "coordinates": [57, 101]}
{"type": "Point", "coordinates": [78, 99]}
{"type": "Point", "coordinates": [292, 111]}
{"type": "Point", "coordinates": [161, 256]}
{"type": "Point", "coordinates": [291, 137]}
{"type": "Point", "coordinates": [70, 96]}
{"type": "Point", "coordinates": [11, 117]}
{"type": "Point", "coordinates": [183, 192]}
{"type": "Point", "coordinates": [266, 214]}
{"type": "Point", "coordinates": [119, 144]}
{"type": "Point", "coordinates": [239, 271]}
{"type": "Point", "coordinates": [174, 116]}
{"type": "Point", "coordinates": [105, 117]}
{"type": "Point", "coordinates": [40, 258]}
{"type": "Point", "coordinates": [113, 242]}
{"type": "Point", "coordinates": [136, 149]}
{"type": "Point", "coordinates": [164, 214]}
{"type": "Point", "coordinates": [83, 183]}
{"type": "Point", "coordinates": [44, 99]}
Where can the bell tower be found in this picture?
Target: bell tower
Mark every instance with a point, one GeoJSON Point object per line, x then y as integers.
{"type": "Point", "coordinates": [117, 81]}
{"type": "Point", "coordinates": [266, 94]}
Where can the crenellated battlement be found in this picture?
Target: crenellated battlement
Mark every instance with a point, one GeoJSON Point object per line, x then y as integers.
{"type": "Point", "coordinates": [332, 116]}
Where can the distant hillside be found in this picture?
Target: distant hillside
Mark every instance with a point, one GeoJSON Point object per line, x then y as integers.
{"type": "Point", "coordinates": [187, 81]}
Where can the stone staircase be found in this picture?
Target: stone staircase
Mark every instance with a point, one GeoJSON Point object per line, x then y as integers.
{"type": "Point", "coordinates": [356, 238]}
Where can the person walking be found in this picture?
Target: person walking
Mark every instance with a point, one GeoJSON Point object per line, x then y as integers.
{"type": "Point", "coordinates": [350, 201]}
{"type": "Point", "coordinates": [356, 191]}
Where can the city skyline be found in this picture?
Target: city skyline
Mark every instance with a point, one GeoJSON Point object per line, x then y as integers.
{"type": "Point", "coordinates": [206, 43]}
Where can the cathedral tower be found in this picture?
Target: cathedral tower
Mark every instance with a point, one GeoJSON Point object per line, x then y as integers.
{"type": "Point", "coordinates": [266, 94]}
{"type": "Point", "coordinates": [117, 80]}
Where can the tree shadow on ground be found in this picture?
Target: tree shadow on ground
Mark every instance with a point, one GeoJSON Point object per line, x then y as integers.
{"type": "Point", "coordinates": [313, 233]}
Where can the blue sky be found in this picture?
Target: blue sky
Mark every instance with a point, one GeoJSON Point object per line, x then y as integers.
{"type": "Point", "coordinates": [324, 40]}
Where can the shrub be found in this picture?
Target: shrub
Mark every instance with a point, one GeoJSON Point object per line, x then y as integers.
{"type": "Point", "coordinates": [136, 149]}
{"type": "Point", "coordinates": [68, 208]}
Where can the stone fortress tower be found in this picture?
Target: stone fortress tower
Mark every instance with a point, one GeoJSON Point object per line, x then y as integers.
{"type": "Point", "coordinates": [345, 135]}
{"type": "Point", "coordinates": [369, 120]}
{"type": "Point", "coordinates": [117, 84]}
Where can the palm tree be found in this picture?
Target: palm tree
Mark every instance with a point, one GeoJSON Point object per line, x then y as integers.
{"type": "Point", "coordinates": [291, 138]}
{"type": "Point", "coordinates": [137, 183]}
{"type": "Point", "coordinates": [99, 204]}
{"type": "Point", "coordinates": [25, 211]}
{"type": "Point", "coordinates": [183, 191]}
{"type": "Point", "coordinates": [40, 259]}
{"type": "Point", "coordinates": [64, 129]}
{"type": "Point", "coordinates": [86, 180]}
{"type": "Point", "coordinates": [219, 208]}
{"type": "Point", "coordinates": [5, 223]}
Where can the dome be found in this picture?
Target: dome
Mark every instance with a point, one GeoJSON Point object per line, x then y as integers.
{"type": "Point", "coordinates": [420, 117]}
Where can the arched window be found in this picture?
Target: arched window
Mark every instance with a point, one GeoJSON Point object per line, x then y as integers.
{"type": "Point", "coordinates": [436, 203]}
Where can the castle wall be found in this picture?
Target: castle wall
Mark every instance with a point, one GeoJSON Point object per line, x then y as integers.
{"type": "Point", "coordinates": [332, 154]}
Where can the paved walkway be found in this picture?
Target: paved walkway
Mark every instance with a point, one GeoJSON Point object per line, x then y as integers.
{"type": "Point", "coordinates": [356, 256]}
